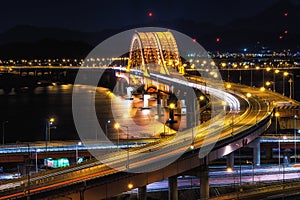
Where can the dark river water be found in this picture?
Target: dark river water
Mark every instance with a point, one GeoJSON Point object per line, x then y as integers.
{"type": "Point", "coordinates": [27, 113]}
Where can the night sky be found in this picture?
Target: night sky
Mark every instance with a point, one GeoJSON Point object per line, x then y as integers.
{"type": "Point", "coordinates": [95, 15]}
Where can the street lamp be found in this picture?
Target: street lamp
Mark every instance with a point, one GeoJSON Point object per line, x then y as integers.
{"type": "Point", "coordinates": [249, 162]}
{"type": "Point", "coordinates": [3, 131]}
{"type": "Point", "coordinates": [106, 124]}
{"type": "Point", "coordinates": [284, 75]}
{"type": "Point", "coordinates": [49, 123]}
{"type": "Point", "coordinates": [76, 149]}
{"type": "Point", "coordinates": [291, 82]}
{"type": "Point", "coordinates": [249, 95]}
{"type": "Point", "coordinates": [171, 112]}
{"type": "Point", "coordinates": [276, 131]}
{"type": "Point", "coordinates": [117, 127]}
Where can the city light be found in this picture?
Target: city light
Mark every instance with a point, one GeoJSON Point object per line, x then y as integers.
{"type": "Point", "coordinates": [116, 125]}
{"type": "Point", "coordinates": [130, 186]}
{"type": "Point", "coordinates": [172, 106]}
{"type": "Point", "coordinates": [228, 85]}
{"type": "Point", "coordinates": [262, 89]}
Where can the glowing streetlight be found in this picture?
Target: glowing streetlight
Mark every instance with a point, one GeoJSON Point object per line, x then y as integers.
{"type": "Point", "coordinates": [277, 115]}
{"type": "Point", "coordinates": [201, 98]}
{"type": "Point", "coordinates": [172, 106]}
{"type": "Point", "coordinates": [106, 129]}
{"type": "Point", "coordinates": [171, 112]}
{"type": "Point", "coordinates": [251, 163]}
{"type": "Point", "coordinates": [130, 186]}
{"type": "Point", "coordinates": [229, 169]}
{"type": "Point", "coordinates": [76, 151]}
{"type": "Point", "coordinates": [49, 125]}
{"type": "Point", "coordinates": [117, 127]}
{"type": "Point", "coordinates": [228, 85]}
{"type": "Point", "coordinates": [283, 85]}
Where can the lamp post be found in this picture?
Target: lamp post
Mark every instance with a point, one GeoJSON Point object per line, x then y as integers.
{"type": "Point", "coordinates": [249, 162]}
{"type": "Point", "coordinates": [283, 84]}
{"type": "Point", "coordinates": [76, 150]}
{"type": "Point", "coordinates": [276, 131]}
{"type": "Point", "coordinates": [295, 138]}
{"type": "Point", "coordinates": [3, 131]}
{"type": "Point", "coordinates": [49, 123]}
{"type": "Point", "coordinates": [291, 82]}
{"type": "Point", "coordinates": [117, 127]}
{"type": "Point", "coordinates": [106, 129]}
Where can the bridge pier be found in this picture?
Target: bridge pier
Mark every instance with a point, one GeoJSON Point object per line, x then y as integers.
{"type": "Point", "coordinates": [204, 183]}
{"type": "Point", "coordinates": [256, 151]}
{"type": "Point", "coordinates": [81, 194]}
{"type": "Point", "coordinates": [142, 193]}
{"type": "Point", "coordinates": [120, 87]}
{"type": "Point", "coordinates": [230, 161]}
{"type": "Point", "coordinates": [158, 102]}
{"type": "Point", "coordinates": [173, 191]}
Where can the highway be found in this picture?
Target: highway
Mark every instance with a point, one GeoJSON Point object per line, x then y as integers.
{"type": "Point", "coordinates": [243, 114]}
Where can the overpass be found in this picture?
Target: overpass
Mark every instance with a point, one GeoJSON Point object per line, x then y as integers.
{"type": "Point", "coordinates": [247, 117]}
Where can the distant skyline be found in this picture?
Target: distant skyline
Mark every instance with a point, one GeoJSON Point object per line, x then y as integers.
{"type": "Point", "coordinates": [95, 15]}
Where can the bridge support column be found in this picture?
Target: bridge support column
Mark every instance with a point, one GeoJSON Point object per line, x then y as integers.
{"type": "Point", "coordinates": [173, 192]}
{"type": "Point", "coordinates": [256, 152]}
{"type": "Point", "coordinates": [81, 195]}
{"type": "Point", "coordinates": [158, 102]}
{"type": "Point", "coordinates": [142, 193]}
{"type": "Point", "coordinates": [230, 160]}
{"type": "Point", "coordinates": [121, 87]}
{"type": "Point", "coordinates": [204, 183]}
